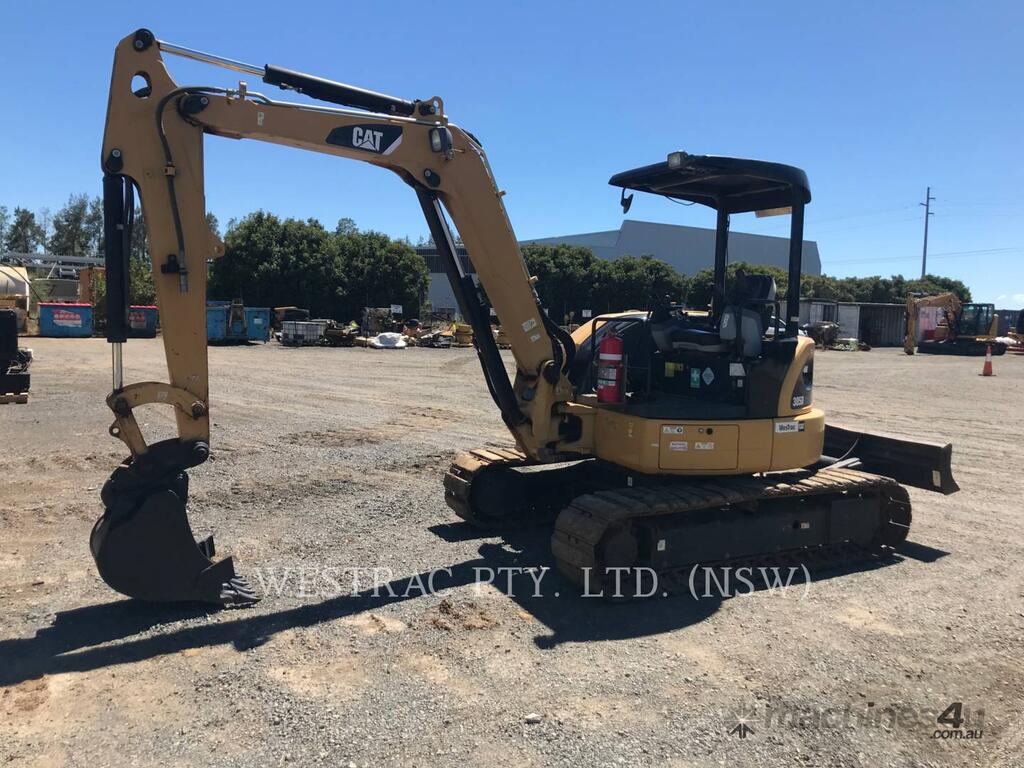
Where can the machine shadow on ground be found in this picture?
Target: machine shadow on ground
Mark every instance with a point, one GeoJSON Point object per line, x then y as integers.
{"type": "Point", "coordinates": [575, 616]}
{"type": "Point", "coordinates": [99, 636]}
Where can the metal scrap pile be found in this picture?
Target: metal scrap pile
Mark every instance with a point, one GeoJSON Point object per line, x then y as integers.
{"type": "Point", "coordinates": [825, 335]}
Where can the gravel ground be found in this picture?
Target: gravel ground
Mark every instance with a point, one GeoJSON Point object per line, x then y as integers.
{"type": "Point", "coordinates": [329, 462]}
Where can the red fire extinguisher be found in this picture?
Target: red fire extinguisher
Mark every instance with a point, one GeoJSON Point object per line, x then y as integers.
{"type": "Point", "coordinates": [610, 368]}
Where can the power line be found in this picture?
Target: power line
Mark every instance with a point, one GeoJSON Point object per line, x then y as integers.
{"type": "Point", "coordinates": [981, 250]}
{"type": "Point", "coordinates": [827, 219]}
{"type": "Point", "coordinates": [943, 255]}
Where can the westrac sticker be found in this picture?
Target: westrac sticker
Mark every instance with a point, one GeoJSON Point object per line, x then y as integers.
{"type": "Point", "coordinates": [789, 426]}
{"type": "Point", "coordinates": [704, 446]}
{"type": "Point", "coordinates": [678, 445]}
{"type": "Point", "coordinates": [671, 429]}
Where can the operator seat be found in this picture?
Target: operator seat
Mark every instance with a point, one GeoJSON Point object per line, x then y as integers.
{"type": "Point", "coordinates": [748, 312]}
{"type": "Point", "coordinates": [674, 333]}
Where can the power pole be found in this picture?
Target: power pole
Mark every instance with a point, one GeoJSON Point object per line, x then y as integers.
{"type": "Point", "coordinates": [927, 212]}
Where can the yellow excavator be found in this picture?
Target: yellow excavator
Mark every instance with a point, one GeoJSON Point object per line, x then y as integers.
{"type": "Point", "coordinates": [966, 329]}
{"type": "Point", "coordinates": [1016, 331]}
{"type": "Point", "coordinates": [655, 439]}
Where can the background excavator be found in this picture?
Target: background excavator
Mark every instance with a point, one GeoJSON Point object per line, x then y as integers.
{"type": "Point", "coordinates": [966, 329]}
{"type": "Point", "coordinates": [659, 438]}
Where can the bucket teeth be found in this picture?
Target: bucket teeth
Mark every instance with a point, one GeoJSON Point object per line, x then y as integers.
{"type": "Point", "coordinates": [236, 593]}
{"type": "Point", "coordinates": [144, 548]}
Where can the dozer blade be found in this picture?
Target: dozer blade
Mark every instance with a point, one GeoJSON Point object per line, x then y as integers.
{"type": "Point", "coordinates": [915, 463]}
{"type": "Point", "coordinates": [961, 347]}
{"type": "Point", "coordinates": [144, 548]}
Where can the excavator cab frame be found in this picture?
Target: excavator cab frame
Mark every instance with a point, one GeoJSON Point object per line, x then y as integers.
{"type": "Point", "coordinates": [731, 185]}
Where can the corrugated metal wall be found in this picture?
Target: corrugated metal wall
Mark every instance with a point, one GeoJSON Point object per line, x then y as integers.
{"type": "Point", "coordinates": [1007, 319]}
{"type": "Point", "coordinates": [817, 310]}
{"type": "Point", "coordinates": [883, 325]}
{"type": "Point", "coordinates": [848, 317]}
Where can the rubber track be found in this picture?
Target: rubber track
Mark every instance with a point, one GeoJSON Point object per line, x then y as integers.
{"type": "Point", "coordinates": [467, 467]}
{"type": "Point", "coordinates": [581, 526]}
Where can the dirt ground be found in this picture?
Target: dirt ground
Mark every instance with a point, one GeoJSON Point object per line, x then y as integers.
{"type": "Point", "coordinates": [328, 463]}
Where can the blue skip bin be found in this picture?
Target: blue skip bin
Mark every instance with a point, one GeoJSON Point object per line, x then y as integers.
{"type": "Point", "coordinates": [142, 321]}
{"type": "Point", "coordinates": [231, 323]}
{"type": "Point", "coordinates": [57, 319]}
{"type": "Point", "coordinates": [257, 323]}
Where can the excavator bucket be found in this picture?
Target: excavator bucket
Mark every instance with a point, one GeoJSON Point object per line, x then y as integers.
{"type": "Point", "coordinates": [144, 548]}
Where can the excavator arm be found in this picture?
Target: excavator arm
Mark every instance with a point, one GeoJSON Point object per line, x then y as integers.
{"type": "Point", "coordinates": [947, 301]}
{"type": "Point", "coordinates": [153, 143]}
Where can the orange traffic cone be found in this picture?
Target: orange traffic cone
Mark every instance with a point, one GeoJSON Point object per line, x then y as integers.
{"type": "Point", "coordinates": [986, 369]}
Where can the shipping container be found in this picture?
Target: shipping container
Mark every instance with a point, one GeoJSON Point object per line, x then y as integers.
{"type": "Point", "coordinates": [848, 317]}
{"type": "Point", "coordinates": [883, 325]}
{"type": "Point", "coordinates": [257, 323]}
{"type": "Point", "coordinates": [817, 311]}
{"type": "Point", "coordinates": [65, 319]}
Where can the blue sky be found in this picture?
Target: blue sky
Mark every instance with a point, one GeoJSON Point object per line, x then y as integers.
{"type": "Point", "coordinates": [874, 100]}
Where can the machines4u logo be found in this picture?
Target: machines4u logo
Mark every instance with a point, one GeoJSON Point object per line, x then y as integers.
{"type": "Point", "coordinates": [379, 139]}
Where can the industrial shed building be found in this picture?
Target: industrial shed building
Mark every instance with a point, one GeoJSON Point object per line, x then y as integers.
{"type": "Point", "coordinates": [688, 249]}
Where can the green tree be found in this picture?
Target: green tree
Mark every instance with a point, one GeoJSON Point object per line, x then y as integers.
{"type": "Point", "coordinates": [77, 227]}
{"type": "Point", "coordinates": [825, 287]}
{"type": "Point", "coordinates": [24, 234]}
{"type": "Point", "coordinates": [870, 289]}
{"type": "Point", "coordinates": [930, 284]}
{"type": "Point", "coordinates": [378, 272]}
{"type": "Point", "coordinates": [94, 226]}
{"type": "Point", "coordinates": [212, 223]}
{"type": "Point", "coordinates": [636, 282]}
{"type": "Point", "coordinates": [140, 282]}
{"type": "Point", "coordinates": [5, 223]}
{"type": "Point", "coordinates": [702, 282]}
{"type": "Point", "coordinates": [273, 262]}
{"type": "Point", "coordinates": [570, 278]}
{"type": "Point", "coordinates": [138, 249]}
{"type": "Point", "coordinates": [141, 290]}
{"type": "Point", "coordinates": [566, 277]}
{"type": "Point", "coordinates": [346, 226]}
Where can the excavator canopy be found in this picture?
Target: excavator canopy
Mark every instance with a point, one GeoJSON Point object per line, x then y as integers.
{"type": "Point", "coordinates": [729, 184]}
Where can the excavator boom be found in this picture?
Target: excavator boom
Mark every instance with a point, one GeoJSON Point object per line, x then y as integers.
{"type": "Point", "coordinates": [153, 143]}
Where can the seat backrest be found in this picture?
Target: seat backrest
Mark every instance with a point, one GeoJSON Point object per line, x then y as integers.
{"type": "Point", "coordinates": [745, 324]}
{"type": "Point", "coordinates": [748, 323]}
{"type": "Point", "coordinates": [746, 287]}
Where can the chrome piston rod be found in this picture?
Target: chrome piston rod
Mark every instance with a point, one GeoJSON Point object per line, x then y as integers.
{"type": "Point", "coordinates": [209, 58]}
